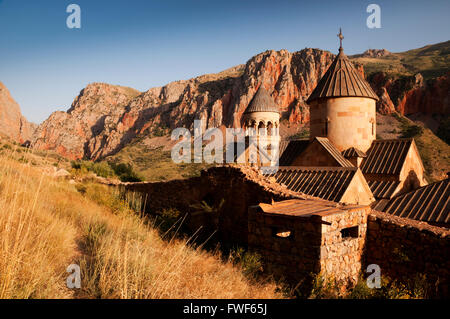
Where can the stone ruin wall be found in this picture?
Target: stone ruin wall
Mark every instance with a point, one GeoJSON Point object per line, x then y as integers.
{"type": "Point", "coordinates": [239, 187]}
{"type": "Point", "coordinates": [405, 248]}
{"type": "Point", "coordinates": [340, 255]}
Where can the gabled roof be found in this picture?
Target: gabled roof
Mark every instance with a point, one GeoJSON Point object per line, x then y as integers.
{"type": "Point", "coordinates": [290, 150]}
{"type": "Point", "coordinates": [325, 142]}
{"type": "Point", "coordinates": [383, 189]}
{"type": "Point", "coordinates": [353, 152]}
{"type": "Point", "coordinates": [304, 208]}
{"type": "Point", "coordinates": [262, 102]}
{"type": "Point", "coordinates": [328, 183]}
{"type": "Point", "coordinates": [342, 80]}
{"type": "Point", "coordinates": [429, 203]}
{"type": "Point", "coordinates": [386, 156]}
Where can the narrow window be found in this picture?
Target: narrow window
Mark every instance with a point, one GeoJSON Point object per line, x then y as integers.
{"type": "Point", "coordinates": [326, 127]}
{"type": "Point", "coordinates": [350, 232]}
{"type": "Point", "coordinates": [281, 233]}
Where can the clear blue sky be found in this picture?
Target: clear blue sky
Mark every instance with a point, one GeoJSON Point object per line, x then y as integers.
{"type": "Point", "coordinates": [147, 43]}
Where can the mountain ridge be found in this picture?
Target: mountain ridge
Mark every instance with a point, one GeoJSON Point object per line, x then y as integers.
{"type": "Point", "coordinates": [103, 118]}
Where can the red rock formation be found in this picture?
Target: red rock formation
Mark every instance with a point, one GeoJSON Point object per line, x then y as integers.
{"type": "Point", "coordinates": [409, 95]}
{"type": "Point", "coordinates": [430, 97]}
{"type": "Point", "coordinates": [104, 118]}
{"type": "Point", "coordinates": [12, 123]}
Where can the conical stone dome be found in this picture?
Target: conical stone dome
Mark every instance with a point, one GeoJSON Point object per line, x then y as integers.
{"type": "Point", "coordinates": [342, 80]}
{"type": "Point", "coordinates": [262, 102]}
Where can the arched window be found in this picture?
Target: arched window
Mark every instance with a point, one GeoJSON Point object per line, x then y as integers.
{"type": "Point", "coordinates": [261, 128]}
{"type": "Point", "coordinates": [270, 128]}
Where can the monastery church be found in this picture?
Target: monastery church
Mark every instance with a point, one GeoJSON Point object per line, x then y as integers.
{"type": "Point", "coordinates": [342, 161]}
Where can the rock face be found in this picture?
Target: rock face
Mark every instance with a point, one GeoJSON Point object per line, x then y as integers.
{"type": "Point", "coordinates": [373, 53]}
{"type": "Point", "coordinates": [12, 123]}
{"type": "Point", "coordinates": [411, 94]}
{"type": "Point", "coordinates": [104, 118]}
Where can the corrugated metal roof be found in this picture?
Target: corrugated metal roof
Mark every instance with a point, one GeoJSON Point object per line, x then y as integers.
{"type": "Point", "coordinates": [262, 102]}
{"type": "Point", "coordinates": [329, 183]}
{"type": "Point", "coordinates": [386, 156]}
{"type": "Point", "coordinates": [290, 150]}
{"type": "Point", "coordinates": [383, 189]}
{"type": "Point", "coordinates": [353, 152]}
{"type": "Point", "coordinates": [342, 80]}
{"type": "Point", "coordinates": [303, 208]}
{"type": "Point", "coordinates": [429, 203]}
{"type": "Point", "coordinates": [325, 142]}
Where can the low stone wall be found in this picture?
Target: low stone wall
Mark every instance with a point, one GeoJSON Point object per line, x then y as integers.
{"type": "Point", "coordinates": [405, 248]}
{"type": "Point", "coordinates": [238, 187]}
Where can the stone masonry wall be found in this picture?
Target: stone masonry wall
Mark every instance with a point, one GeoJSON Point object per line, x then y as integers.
{"type": "Point", "coordinates": [315, 155]}
{"type": "Point", "coordinates": [295, 258]}
{"type": "Point", "coordinates": [317, 245]}
{"type": "Point", "coordinates": [341, 248]}
{"type": "Point", "coordinates": [405, 248]}
{"type": "Point", "coordinates": [237, 186]}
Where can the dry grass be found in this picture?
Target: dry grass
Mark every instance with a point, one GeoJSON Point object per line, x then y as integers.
{"type": "Point", "coordinates": [47, 224]}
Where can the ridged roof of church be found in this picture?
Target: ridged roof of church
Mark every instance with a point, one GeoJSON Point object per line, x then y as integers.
{"type": "Point", "coordinates": [262, 102]}
{"type": "Point", "coordinates": [342, 80]}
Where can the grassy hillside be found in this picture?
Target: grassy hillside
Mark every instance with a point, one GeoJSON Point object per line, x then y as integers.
{"type": "Point", "coordinates": [154, 162]}
{"type": "Point", "coordinates": [431, 61]}
{"type": "Point", "coordinates": [48, 223]}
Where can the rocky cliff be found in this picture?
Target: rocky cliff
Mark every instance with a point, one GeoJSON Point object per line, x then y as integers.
{"type": "Point", "coordinates": [104, 118]}
{"type": "Point", "coordinates": [12, 123]}
{"type": "Point", "coordinates": [411, 94]}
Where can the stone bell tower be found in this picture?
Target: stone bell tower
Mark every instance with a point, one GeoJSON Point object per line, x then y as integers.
{"type": "Point", "coordinates": [342, 106]}
{"type": "Point", "coordinates": [261, 122]}
{"type": "Point", "coordinates": [262, 117]}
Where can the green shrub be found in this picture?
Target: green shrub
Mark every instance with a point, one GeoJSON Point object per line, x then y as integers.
{"type": "Point", "coordinates": [250, 262]}
{"type": "Point", "coordinates": [102, 169]}
{"type": "Point", "coordinates": [412, 131]}
{"type": "Point", "coordinates": [125, 172]}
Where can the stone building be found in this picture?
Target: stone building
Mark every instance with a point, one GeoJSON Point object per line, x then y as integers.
{"type": "Point", "coordinates": [299, 239]}
{"type": "Point", "coordinates": [262, 115]}
{"type": "Point", "coordinates": [342, 107]}
{"type": "Point", "coordinates": [261, 122]}
{"type": "Point", "coordinates": [342, 162]}
{"type": "Point", "coordinates": [343, 134]}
